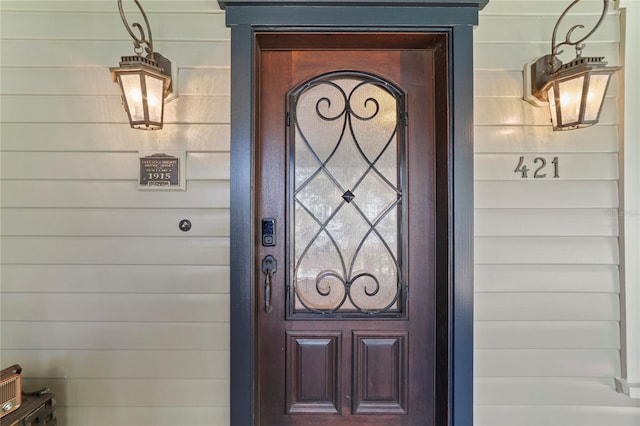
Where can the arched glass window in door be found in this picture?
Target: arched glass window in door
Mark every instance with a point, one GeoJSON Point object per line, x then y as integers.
{"type": "Point", "coordinates": [347, 197]}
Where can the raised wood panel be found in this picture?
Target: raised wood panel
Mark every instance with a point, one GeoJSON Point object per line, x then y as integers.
{"type": "Point", "coordinates": [105, 109]}
{"type": "Point", "coordinates": [380, 369]}
{"type": "Point", "coordinates": [115, 307]}
{"type": "Point", "coordinates": [101, 25]}
{"type": "Point", "coordinates": [114, 194]}
{"type": "Point", "coordinates": [604, 363]}
{"type": "Point", "coordinates": [547, 335]}
{"type": "Point", "coordinates": [547, 278]}
{"type": "Point", "coordinates": [122, 364]}
{"type": "Point", "coordinates": [115, 250]}
{"type": "Point", "coordinates": [538, 28]}
{"type": "Point", "coordinates": [104, 165]}
{"type": "Point", "coordinates": [546, 250]}
{"type": "Point", "coordinates": [546, 307]}
{"type": "Point", "coordinates": [114, 335]}
{"type": "Point", "coordinates": [545, 222]}
{"type": "Point", "coordinates": [542, 139]}
{"type": "Point", "coordinates": [549, 390]}
{"type": "Point", "coordinates": [115, 222]}
{"type": "Point", "coordinates": [513, 56]}
{"type": "Point", "coordinates": [515, 111]}
{"type": "Point", "coordinates": [313, 372]}
{"type": "Point", "coordinates": [546, 194]}
{"type": "Point", "coordinates": [107, 53]}
{"type": "Point", "coordinates": [108, 137]}
{"type": "Point", "coordinates": [136, 392]}
{"type": "Point", "coordinates": [143, 416]}
{"type": "Point", "coordinates": [567, 166]}
{"type": "Point", "coordinates": [497, 83]}
{"type": "Point", "coordinates": [554, 415]}
{"type": "Point", "coordinates": [168, 279]}
{"type": "Point", "coordinates": [59, 6]}
{"type": "Point", "coordinates": [207, 81]}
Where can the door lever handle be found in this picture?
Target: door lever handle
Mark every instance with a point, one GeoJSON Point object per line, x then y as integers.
{"type": "Point", "coordinates": [269, 266]}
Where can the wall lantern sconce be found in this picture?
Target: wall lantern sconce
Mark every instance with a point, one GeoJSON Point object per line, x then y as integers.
{"type": "Point", "coordinates": [574, 91]}
{"type": "Point", "coordinates": [145, 81]}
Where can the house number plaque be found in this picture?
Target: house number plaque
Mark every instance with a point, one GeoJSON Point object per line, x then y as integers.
{"type": "Point", "coordinates": [539, 168]}
{"type": "Point", "coordinates": [161, 171]}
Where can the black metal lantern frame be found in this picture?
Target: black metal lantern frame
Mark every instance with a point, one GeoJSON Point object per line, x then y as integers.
{"type": "Point", "coordinates": [574, 91]}
{"type": "Point", "coordinates": [145, 81]}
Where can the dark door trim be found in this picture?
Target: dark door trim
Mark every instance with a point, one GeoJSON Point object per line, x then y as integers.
{"type": "Point", "coordinates": [245, 17]}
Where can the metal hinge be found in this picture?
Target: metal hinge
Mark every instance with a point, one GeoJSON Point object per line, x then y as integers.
{"type": "Point", "coordinates": [405, 118]}
{"type": "Point", "coordinates": [288, 119]}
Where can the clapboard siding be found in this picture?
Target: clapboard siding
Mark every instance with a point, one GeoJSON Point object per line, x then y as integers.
{"type": "Point", "coordinates": [548, 391]}
{"type": "Point", "coordinates": [111, 194]}
{"type": "Point", "coordinates": [566, 278]}
{"type": "Point", "coordinates": [102, 109]}
{"type": "Point", "coordinates": [129, 307]}
{"type": "Point", "coordinates": [149, 393]}
{"type": "Point", "coordinates": [53, 137]}
{"type": "Point", "coordinates": [547, 304]}
{"type": "Point", "coordinates": [188, 279]}
{"type": "Point", "coordinates": [555, 415]}
{"type": "Point", "coordinates": [142, 416]}
{"type": "Point", "coordinates": [104, 165]}
{"type": "Point", "coordinates": [113, 222]}
{"type": "Point", "coordinates": [106, 53]}
{"type": "Point", "coordinates": [600, 363]}
{"type": "Point", "coordinates": [537, 29]}
{"type": "Point", "coordinates": [545, 222]}
{"type": "Point", "coordinates": [508, 56]}
{"type": "Point", "coordinates": [101, 25]}
{"type": "Point", "coordinates": [534, 139]}
{"type": "Point", "coordinates": [114, 250]}
{"type": "Point", "coordinates": [547, 335]}
{"type": "Point", "coordinates": [125, 363]}
{"type": "Point", "coordinates": [538, 194]}
{"type": "Point", "coordinates": [523, 306]}
{"type": "Point", "coordinates": [206, 81]}
{"type": "Point", "coordinates": [61, 336]}
{"type": "Point", "coordinates": [104, 299]}
{"type": "Point", "coordinates": [546, 250]}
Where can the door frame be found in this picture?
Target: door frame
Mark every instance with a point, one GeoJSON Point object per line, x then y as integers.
{"type": "Point", "coordinates": [454, 18]}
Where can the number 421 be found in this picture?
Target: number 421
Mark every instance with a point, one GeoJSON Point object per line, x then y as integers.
{"type": "Point", "coordinates": [539, 163]}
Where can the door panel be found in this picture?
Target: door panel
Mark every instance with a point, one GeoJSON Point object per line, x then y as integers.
{"type": "Point", "coordinates": [344, 365]}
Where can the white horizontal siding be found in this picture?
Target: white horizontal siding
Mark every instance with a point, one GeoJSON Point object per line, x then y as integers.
{"type": "Point", "coordinates": [188, 279]}
{"type": "Point", "coordinates": [547, 305]}
{"type": "Point", "coordinates": [546, 222]}
{"type": "Point", "coordinates": [61, 336]}
{"type": "Point", "coordinates": [27, 137]}
{"type": "Point", "coordinates": [104, 300]}
{"type": "Point", "coordinates": [174, 364]}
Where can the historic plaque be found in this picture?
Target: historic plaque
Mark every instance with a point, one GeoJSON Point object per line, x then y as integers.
{"type": "Point", "coordinates": [161, 171]}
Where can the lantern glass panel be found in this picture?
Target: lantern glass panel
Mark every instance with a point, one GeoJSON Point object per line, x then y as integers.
{"type": "Point", "coordinates": [132, 91]}
{"type": "Point", "coordinates": [155, 97]}
{"type": "Point", "coordinates": [570, 92]}
{"type": "Point", "coordinates": [595, 97]}
{"type": "Point", "coordinates": [551, 95]}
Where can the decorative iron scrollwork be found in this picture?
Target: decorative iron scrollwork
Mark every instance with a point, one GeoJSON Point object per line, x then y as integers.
{"type": "Point", "coordinates": [345, 287]}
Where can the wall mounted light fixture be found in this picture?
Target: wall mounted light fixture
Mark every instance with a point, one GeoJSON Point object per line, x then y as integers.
{"type": "Point", "coordinates": [145, 81]}
{"type": "Point", "coordinates": [574, 91]}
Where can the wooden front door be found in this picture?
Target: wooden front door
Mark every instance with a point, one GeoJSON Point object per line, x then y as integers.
{"type": "Point", "coordinates": [346, 205]}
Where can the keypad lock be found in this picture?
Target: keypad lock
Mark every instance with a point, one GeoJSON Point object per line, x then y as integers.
{"type": "Point", "coordinates": [269, 232]}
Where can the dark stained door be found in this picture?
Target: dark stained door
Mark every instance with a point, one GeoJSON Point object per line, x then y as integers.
{"type": "Point", "coordinates": [345, 178]}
